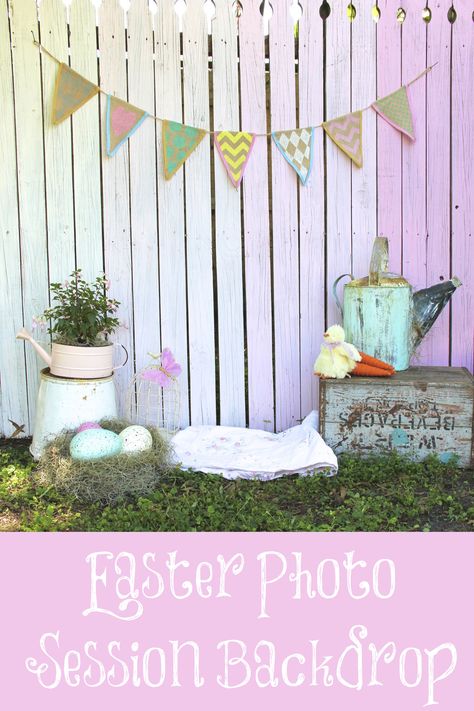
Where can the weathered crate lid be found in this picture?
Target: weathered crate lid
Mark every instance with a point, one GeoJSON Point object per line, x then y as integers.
{"type": "Point", "coordinates": [419, 375]}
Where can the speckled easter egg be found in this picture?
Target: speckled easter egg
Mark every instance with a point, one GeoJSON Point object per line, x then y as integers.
{"type": "Point", "coordinates": [135, 439]}
{"type": "Point", "coordinates": [95, 444]}
{"type": "Point", "coordinates": [88, 426]}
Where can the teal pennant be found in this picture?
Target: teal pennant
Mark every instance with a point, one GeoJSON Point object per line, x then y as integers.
{"type": "Point", "coordinates": [179, 141]}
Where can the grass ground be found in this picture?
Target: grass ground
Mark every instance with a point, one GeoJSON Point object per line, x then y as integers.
{"type": "Point", "coordinates": [378, 494]}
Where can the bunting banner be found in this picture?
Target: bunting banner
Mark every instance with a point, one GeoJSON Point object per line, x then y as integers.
{"type": "Point", "coordinates": [234, 147]}
{"type": "Point", "coordinates": [121, 121]}
{"type": "Point", "coordinates": [71, 91]}
{"type": "Point", "coordinates": [179, 141]}
{"type": "Point", "coordinates": [346, 132]}
{"type": "Point", "coordinates": [296, 147]}
{"type": "Point", "coordinates": [395, 109]}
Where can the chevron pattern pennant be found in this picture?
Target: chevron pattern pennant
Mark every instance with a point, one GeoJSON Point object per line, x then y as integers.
{"type": "Point", "coordinates": [346, 132]}
{"type": "Point", "coordinates": [179, 141]}
{"type": "Point", "coordinates": [297, 148]}
{"type": "Point", "coordinates": [122, 119]}
{"type": "Point", "coordinates": [234, 148]}
{"type": "Point", "coordinates": [395, 109]}
{"type": "Point", "coordinates": [71, 91]}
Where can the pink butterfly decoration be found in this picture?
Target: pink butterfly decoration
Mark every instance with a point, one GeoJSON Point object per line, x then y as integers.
{"type": "Point", "coordinates": [165, 373]}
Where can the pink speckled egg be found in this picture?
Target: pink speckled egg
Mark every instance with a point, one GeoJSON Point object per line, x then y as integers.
{"type": "Point", "coordinates": [89, 426]}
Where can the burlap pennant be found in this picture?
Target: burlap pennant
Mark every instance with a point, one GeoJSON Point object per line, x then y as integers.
{"type": "Point", "coordinates": [71, 91]}
{"type": "Point", "coordinates": [234, 147]}
{"type": "Point", "coordinates": [395, 109]}
{"type": "Point", "coordinates": [346, 132]}
{"type": "Point", "coordinates": [296, 147]}
{"type": "Point", "coordinates": [179, 141]}
{"type": "Point", "coordinates": [122, 120]}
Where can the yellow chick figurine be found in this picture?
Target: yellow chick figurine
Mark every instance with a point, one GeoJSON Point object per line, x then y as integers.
{"type": "Point", "coordinates": [337, 358]}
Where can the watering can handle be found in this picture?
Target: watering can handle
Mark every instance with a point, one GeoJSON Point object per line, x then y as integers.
{"type": "Point", "coordinates": [126, 357]}
{"type": "Point", "coordinates": [334, 291]}
{"type": "Point", "coordinates": [378, 260]}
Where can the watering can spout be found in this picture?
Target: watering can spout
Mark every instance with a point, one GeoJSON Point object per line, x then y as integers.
{"type": "Point", "coordinates": [427, 306]}
{"type": "Point", "coordinates": [26, 336]}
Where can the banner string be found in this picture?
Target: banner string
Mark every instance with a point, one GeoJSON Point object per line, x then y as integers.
{"type": "Point", "coordinates": [211, 133]}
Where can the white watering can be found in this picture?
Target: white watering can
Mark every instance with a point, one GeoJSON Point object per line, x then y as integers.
{"type": "Point", "coordinates": [82, 362]}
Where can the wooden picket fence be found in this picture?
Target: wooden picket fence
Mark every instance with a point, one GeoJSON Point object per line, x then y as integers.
{"type": "Point", "coordinates": [236, 283]}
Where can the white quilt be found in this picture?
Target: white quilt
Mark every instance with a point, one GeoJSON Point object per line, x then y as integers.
{"type": "Point", "coordinates": [236, 452]}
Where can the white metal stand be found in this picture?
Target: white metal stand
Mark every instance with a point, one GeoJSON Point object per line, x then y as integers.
{"type": "Point", "coordinates": [65, 403]}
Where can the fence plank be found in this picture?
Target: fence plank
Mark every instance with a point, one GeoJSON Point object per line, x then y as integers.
{"type": "Point", "coordinates": [364, 180]}
{"type": "Point", "coordinates": [462, 194]}
{"type": "Point", "coordinates": [14, 404]}
{"type": "Point", "coordinates": [143, 209]}
{"type": "Point", "coordinates": [338, 165]}
{"type": "Point", "coordinates": [86, 144]}
{"type": "Point", "coordinates": [228, 223]}
{"type": "Point", "coordinates": [438, 128]}
{"type": "Point", "coordinates": [389, 140]}
{"type": "Point", "coordinates": [414, 157]}
{"type": "Point", "coordinates": [31, 187]}
{"type": "Point", "coordinates": [312, 246]}
{"type": "Point", "coordinates": [172, 247]}
{"type": "Point", "coordinates": [116, 185]}
{"type": "Point", "coordinates": [285, 224]}
{"type": "Point", "coordinates": [256, 222]}
{"type": "Point", "coordinates": [57, 148]}
{"type": "Point", "coordinates": [198, 220]}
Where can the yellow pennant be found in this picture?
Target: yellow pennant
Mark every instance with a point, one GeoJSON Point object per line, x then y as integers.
{"type": "Point", "coordinates": [234, 147]}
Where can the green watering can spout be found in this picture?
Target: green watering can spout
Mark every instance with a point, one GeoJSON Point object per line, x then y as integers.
{"type": "Point", "coordinates": [427, 306]}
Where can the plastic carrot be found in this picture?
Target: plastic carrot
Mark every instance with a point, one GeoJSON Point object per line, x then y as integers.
{"type": "Point", "coordinates": [376, 363]}
{"type": "Point", "coordinates": [370, 370]}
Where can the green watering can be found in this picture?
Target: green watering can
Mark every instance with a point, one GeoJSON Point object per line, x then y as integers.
{"type": "Point", "coordinates": [381, 314]}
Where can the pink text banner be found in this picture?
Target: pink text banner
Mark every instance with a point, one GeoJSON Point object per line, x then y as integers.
{"type": "Point", "coordinates": [213, 621]}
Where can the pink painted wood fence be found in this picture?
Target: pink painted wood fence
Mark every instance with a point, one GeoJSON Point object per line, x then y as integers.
{"type": "Point", "coordinates": [236, 283]}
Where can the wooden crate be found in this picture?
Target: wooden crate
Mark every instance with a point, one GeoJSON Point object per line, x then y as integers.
{"type": "Point", "coordinates": [420, 411]}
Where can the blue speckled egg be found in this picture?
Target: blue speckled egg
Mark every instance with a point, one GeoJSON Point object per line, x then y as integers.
{"type": "Point", "coordinates": [95, 444]}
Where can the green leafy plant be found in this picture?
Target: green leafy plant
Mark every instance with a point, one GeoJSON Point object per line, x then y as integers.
{"type": "Point", "coordinates": [82, 313]}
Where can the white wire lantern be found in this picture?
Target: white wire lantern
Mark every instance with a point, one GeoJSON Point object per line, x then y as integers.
{"type": "Point", "coordinates": [154, 397]}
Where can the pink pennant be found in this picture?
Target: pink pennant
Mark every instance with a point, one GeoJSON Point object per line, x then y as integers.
{"type": "Point", "coordinates": [122, 120]}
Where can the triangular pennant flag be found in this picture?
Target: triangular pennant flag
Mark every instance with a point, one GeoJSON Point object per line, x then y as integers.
{"type": "Point", "coordinates": [71, 91]}
{"type": "Point", "coordinates": [395, 109]}
{"type": "Point", "coordinates": [122, 120]}
{"type": "Point", "coordinates": [296, 146]}
{"type": "Point", "coordinates": [346, 132]}
{"type": "Point", "coordinates": [234, 148]}
{"type": "Point", "coordinates": [179, 141]}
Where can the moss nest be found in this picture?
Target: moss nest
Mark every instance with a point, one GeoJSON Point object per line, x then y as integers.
{"type": "Point", "coordinates": [106, 480]}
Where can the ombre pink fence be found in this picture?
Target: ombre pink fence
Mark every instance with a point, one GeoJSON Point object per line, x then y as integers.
{"type": "Point", "coordinates": [236, 283]}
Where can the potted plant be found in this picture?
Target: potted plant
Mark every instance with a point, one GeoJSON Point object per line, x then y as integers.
{"type": "Point", "coordinates": [82, 318]}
